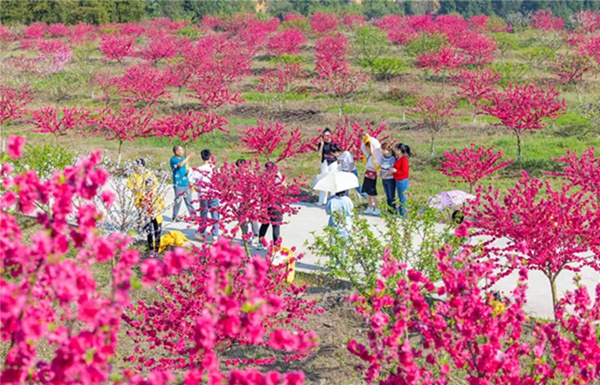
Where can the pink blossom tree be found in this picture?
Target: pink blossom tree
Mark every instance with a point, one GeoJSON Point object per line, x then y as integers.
{"type": "Point", "coordinates": [441, 60]}
{"type": "Point", "coordinates": [278, 84]}
{"type": "Point", "coordinates": [58, 301]}
{"type": "Point", "coordinates": [415, 338]}
{"type": "Point", "coordinates": [58, 122]}
{"type": "Point", "coordinates": [522, 108]}
{"type": "Point", "coordinates": [583, 171]}
{"type": "Point", "coordinates": [545, 21]}
{"type": "Point", "coordinates": [116, 47]}
{"type": "Point", "coordinates": [13, 101]}
{"type": "Point", "coordinates": [160, 48]}
{"type": "Point", "coordinates": [126, 124]}
{"type": "Point", "coordinates": [264, 139]}
{"type": "Point", "coordinates": [476, 85]}
{"type": "Point", "coordinates": [188, 126]}
{"type": "Point", "coordinates": [185, 312]}
{"type": "Point", "coordinates": [323, 22]}
{"type": "Point", "coordinates": [287, 41]}
{"type": "Point", "coordinates": [548, 230]}
{"type": "Point", "coordinates": [432, 113]}
{"type": "Point", "coordinates": [142, 84]}
{"type": "Point", "coordinates": [471, 164]}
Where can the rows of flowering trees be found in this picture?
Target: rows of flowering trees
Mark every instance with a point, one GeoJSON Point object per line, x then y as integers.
{"type": "Point", "coordinates": [158, 56]}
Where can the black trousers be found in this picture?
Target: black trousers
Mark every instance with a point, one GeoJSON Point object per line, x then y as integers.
{"type": "Point", "coordinates": [275, 218]}
{"type": "Point", "coordinates": [153, 229]}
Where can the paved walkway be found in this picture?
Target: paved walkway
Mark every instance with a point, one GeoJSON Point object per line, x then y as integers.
{"type": "Point", "coordinates": [312, 219]}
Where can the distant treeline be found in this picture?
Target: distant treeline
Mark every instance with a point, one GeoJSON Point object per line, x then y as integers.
{"type": "Point", "coordinates": [105, 11]}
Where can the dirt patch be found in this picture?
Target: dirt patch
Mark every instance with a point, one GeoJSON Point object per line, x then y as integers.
{"type": "Point", "coordinates": [251, 111]}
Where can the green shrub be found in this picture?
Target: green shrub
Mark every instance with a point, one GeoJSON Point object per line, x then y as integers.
{"type": "Point", "coordinates": [425, 43]}
{"type": "Point", "coordinates": [411, 240]}
{"type": "Point", "coordinates": [44, 159]}
{"type": "Point", "coordinates": [385, 68]}
{"type": "Point", "coordinates": [189, 32]}
{"type": "Point", "coordinates": [370, 43]}
{"type": "Point", "coordinates": [511, 72]}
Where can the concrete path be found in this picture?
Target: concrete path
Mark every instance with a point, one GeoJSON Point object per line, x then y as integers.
{"type": "Point", "coordinates": [312, 219]}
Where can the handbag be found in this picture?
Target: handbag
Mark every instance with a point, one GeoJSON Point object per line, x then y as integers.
{"type": "Point", "coordinates": [370, 174]}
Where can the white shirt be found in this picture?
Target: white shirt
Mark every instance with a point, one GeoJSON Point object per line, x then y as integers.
{"type": "Point", "coordinates": [345, 160]}
{"type": "Point", "coordinates": [201, 176]}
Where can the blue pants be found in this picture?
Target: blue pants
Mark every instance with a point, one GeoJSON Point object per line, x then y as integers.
{"type": "Point", "coordinates": [183, 193]}
{"type": "Point", "coordinates": [389, 187]}
{"type": "Point", "coordinates": [209, 206]}
{"type": "Point", "coordinates": [401, 187]}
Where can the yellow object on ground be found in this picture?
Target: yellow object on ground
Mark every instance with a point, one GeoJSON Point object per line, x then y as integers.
{"type": "Point", "coordinates": [285, 255]}
{"type": "Point", "coordinates": [172, 238]}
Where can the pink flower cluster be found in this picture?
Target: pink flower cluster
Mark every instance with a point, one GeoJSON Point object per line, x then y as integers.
{"type": "Point", "coordinates": [51, 295]}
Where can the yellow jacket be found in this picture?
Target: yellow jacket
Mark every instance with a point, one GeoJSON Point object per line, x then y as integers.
{"type": "Point", "coordinates": [146, 199]}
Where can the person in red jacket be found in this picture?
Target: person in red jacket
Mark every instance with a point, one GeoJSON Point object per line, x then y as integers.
{"type": "Point", "coordinates": [401, 173]}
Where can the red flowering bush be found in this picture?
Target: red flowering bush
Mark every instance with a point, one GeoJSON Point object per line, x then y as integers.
{"type": "Point", "coordinates": [548, 229]}
{"type": "Point", "coordinates": [116, 47]}
{"type": "Point", "coordinates": [419, 330]}
{"type": "Point", "coordinates": [226, 299]}
{"type": "Point", "coordinates": [476, 85]}
{"type": "Point", "coordinates": [265, 138]}
{"type": "Point", "coordinates": [287, 41]}
{"type": "Point", "coordinates": [53, 121]}
{"type": "Point", "coordinates": [583, 171]}
{"type": "Point", "coordinates": [142, 84]}
{"type": "Point", "coordinates": [471, 164]}
{"type": "Point", "coordinates": [51, 296]}
{"type": "Point", "coordinates": [522, 108]}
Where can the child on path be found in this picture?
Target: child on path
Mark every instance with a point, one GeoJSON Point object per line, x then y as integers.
{"type": "Point", "coordinates": [371, 149]}
{"type": "Point", "coordinates": [340, 209]}
{"type": "Point", "coordinates": [389, 184]}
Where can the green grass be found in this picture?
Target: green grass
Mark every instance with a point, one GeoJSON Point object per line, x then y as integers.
{"type": "Point", "coordinates": [263, 97]}
{"type": "Point", "coordinates": [349, 110]}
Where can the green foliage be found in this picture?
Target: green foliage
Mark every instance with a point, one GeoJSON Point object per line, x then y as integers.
{"type": "Point", "coordinates": [375, 9]}
{"type": "Point", "coordinates": [385, 68]}
{"type": "Point", "coordinates": [411, 240]}
{"type": "Point", "coordinates": [511, 72]}
{"type": "Point", "coordinates": [44, 159]}
{"type": "Point", "coordinates": [537, 56]}
{"type": "Point", "coordinates": [370, 43]}
{"type": "Point", "coordinates": [189, 32]}
{"type": "Point", "coordinates": [425, 43]}
{"type": "Point", "coordinates": [506, 42]}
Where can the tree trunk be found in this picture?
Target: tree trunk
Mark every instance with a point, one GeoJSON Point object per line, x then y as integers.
{"type": "Point", "coordinates": [247, 248]}
{"type": "Point", "coordinates": [432, 146]}
{"type": "Point", "coordinates": [119, 153]}
{"type": "Point", "coordinates": [519, 150]}
{"type": "Point", "coordinates": [554, 296]}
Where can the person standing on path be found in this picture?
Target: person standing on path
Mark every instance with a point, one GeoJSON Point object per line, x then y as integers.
{"type": "Point", "coordinates": [181, 182]}
{"type": "Point", "coordinates": [325, 149]}
{"type": "Point", "coordinates": [401, 173]}
{"type": "Point", "coordinates": [340, 208]}
{"type": "Point", "coordinates": [389, 184]}
{"type": "Point", "coordinates": [346, 163]}
{"type": "Point", "coordinates": [144, 186]}
{"type": "Point", "coordinates": [201, 179]}
{"type": "Point", "coordinates": [372, 158]}
{"type": "Point", "coordinates": [274, 212]}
